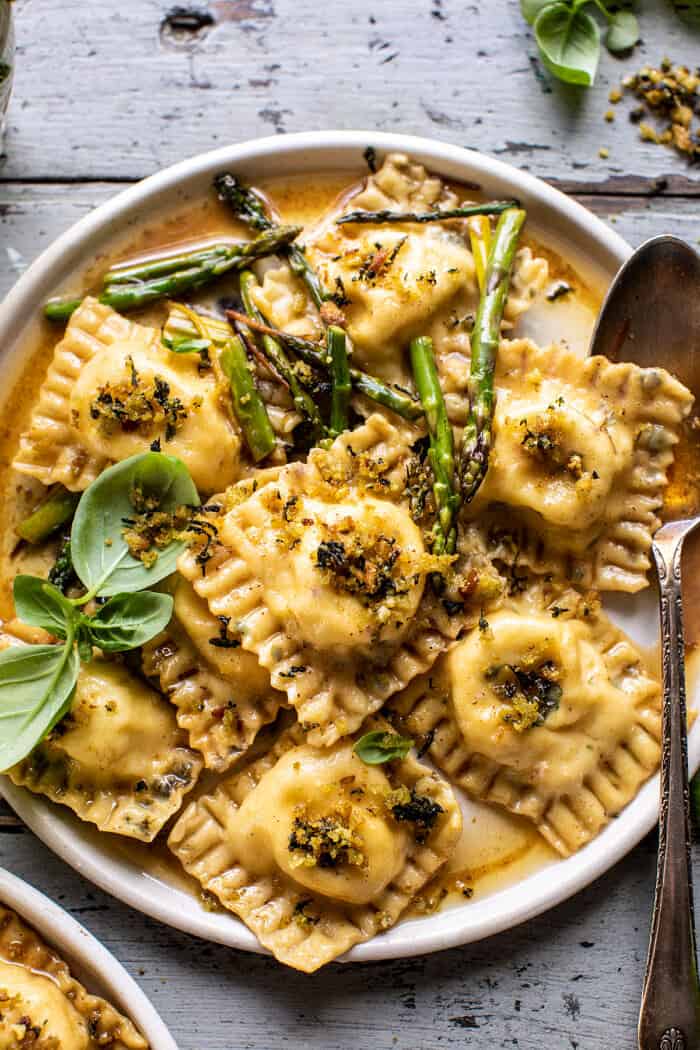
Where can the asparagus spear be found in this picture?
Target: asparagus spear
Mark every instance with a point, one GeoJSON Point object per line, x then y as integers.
{"type": "Point", "coordinates": [60, 309]}
{"type": "Point", "coordinates": [194, 271]}
{"type": "Point", "coordinates": [275, 355]}
{"type": "Point", "coordinates": [316, 355]}
{"type": "Point", "coordinates": [58, 508]}
{"type": "Point", "coordinates": [480, 240]}
{"type": "Point", "coordinates": [165, 264]}
{"type": "Point", "coordinates": [476, 438]}
{"type": "Point", "coordinates": [185, 323]}
{"type": "Point", "coordinates": [340, 376]}
{"type": "Point", "coordinates": [387, 216]}
{"type": "Point", "coordinates": [245, 204]}
{"type": "Point", "coordinates": [402, 404]}
{"type": "Point", "coordinates": [249, 208]}
{"type": "Point", "coordinates": [441, 453]}
{"type": "Point", "coordinates": [62, 573]}
{"type": "Point", "coordinates": [247, 403]}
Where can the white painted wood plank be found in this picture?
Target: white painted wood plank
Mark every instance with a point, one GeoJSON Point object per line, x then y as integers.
{"type": "Point", "coordinates": [104, 90]}
{"type": "Point", "coordinates": [31, 217]}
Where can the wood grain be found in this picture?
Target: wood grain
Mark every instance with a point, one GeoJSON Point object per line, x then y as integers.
{"type": "Point", "coordinates": [109, 92]}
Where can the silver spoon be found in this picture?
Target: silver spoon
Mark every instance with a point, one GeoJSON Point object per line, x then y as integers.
{"type": "Point", "coordinates": [651, 316]}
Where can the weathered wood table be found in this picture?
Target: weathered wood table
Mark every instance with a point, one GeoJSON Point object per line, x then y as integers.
{"type": "Point", "coordinates": [109, 92]}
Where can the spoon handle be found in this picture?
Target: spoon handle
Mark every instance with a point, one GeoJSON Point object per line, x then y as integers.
{"type": "Point", "coordinates": [670, 1012]}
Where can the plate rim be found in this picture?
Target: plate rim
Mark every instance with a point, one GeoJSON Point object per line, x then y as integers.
{"type": "Point", "coordinates": [452, 927]}
{"type": "Point", "coordinates": [82, 951]}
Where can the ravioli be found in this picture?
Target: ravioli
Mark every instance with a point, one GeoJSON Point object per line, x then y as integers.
{"type": "Point", "coordinates": [548, 712]}
{"type": "Point", "coordinates": [111, 391]}
{"type": "Point", "coordinates": [43, 1007]}
{"type": "Point", "coordinates": [579, 462]}
{"type": "Point", "coordinates": [222, 694]}
{"type": "Point", "coordinates": [315, 850]}
{"type": "Point", "coordinates": [117, 759]}
{"type": "Point", "coordinates": [322, 574]}
{"type": "Point", "coordinates": [395, 281]}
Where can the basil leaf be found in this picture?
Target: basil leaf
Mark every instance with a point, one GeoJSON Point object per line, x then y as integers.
{"type": "Point", "coordinates": [36, 688]}
{"type": "Point", "coordinates": [40, 604]}
{"type": "Point", "coordinates": [623, 32]}
{"type": "Point", "coordinates": [84, 642]}
{"type": "Point", "coordinates": [379, 746]}
{"type": "Point", "coordinates": [531, 8]}
{"type": "Point", "coordinates": [101, 557]}
{"type": "Point", "coordinates": [187, 345]}
{"type": "Point", "coordinates": [129, 620]}
{"type": "Point", "coordinates": [569, 42]}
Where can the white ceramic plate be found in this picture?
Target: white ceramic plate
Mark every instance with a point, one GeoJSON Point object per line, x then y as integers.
{"type": "Point", "coordinates": [89, 961]}
{"type": "Point", "coordinates": [597, 253]}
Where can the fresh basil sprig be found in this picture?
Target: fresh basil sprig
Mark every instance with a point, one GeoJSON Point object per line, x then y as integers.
{"type": "Point", "coordinates": [568, 36]}
{"type": "Point", "coordinates": [37, 682]}
{"type": "Point", "coordinates": [379, 746]}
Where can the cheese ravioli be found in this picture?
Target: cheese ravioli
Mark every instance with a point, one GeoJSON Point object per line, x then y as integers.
{"type": "Point", "coordinates": [314, 849]}
{"type": "Point", "coordinates": [322, 574]}
{"type": "Point", "coordinates": [117, 758]}
{"type": "Point", "coordinates": [222, 694]}
{"type": "Point", "coordinates": [547, 711]}
{"type": "Point", "coordinates": [111, 391]}
{"type": "Point", "coordinates": [579, 462]}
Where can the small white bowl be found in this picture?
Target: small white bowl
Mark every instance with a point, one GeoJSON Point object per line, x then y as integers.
{"type": "Point", "coordinates": [89, 961]}
{"type": "Point", "coordinates": [596, 252]}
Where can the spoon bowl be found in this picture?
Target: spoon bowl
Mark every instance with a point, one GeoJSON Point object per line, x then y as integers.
{"type": "Point", "coordinates": [651, 316]}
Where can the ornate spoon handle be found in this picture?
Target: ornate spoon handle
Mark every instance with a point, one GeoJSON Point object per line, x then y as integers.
{"type": "Point", "coordinates": [670, 1013]}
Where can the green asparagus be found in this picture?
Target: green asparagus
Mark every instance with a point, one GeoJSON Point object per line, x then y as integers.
{"type": "Point", "coordinates": [250, 209]}
{"type": "Point", "coordinates": [165, 264]}
{"type": "Point", "coordinates": [194, 271]}
{"type": "Point", "coordinates": [441, 453]}
{"type": "Point", "coordinates": [477, 435]}
{"type": "Point", "coordinates": [316, 355]}
{"type": "Point", "coordinates": [278, 360]}
{"type": "Point", "coordinates": [62, 573]}
{"type": "Point", "coordinates": [341, 388]}
{"type": "Point", "coordinates": [384, 217]}
{"type": "Point", "coordinates": [185, 323]}
{"type": "Point", "coordinates": [248, 405]}
{"type": "Point", "coordinates": [58, 508]}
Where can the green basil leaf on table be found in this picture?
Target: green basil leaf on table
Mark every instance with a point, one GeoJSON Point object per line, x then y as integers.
{"type": "Point", "coordinates": [40, 604]}
{"type": "Point", "coordinates": [127, 621]}
{"type": "Point", "coordinates": [531, 8]}
{"type": "Point", "coordinates": [37, 683]}
{"type": "Point", "coordinates": [569, 42]}
{"type": "Point", "coordinates": [101, 557]}
{"type": "Point", "coordinates": [379, 746]}
{"type": "Point", "coordinates": [623, 32]}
